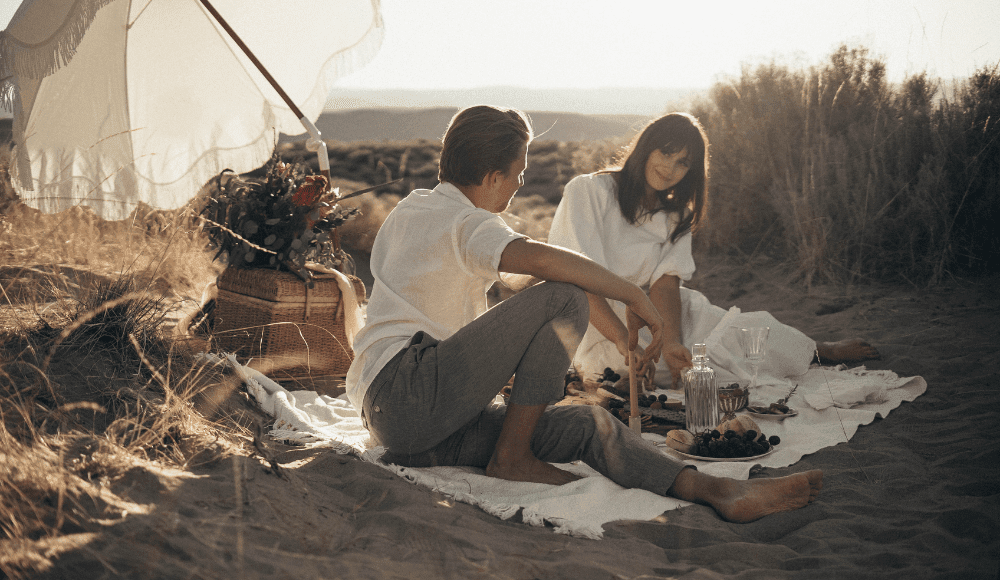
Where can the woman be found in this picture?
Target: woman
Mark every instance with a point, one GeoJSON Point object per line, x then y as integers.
{"type": "Point", "coordinates": [431, 358]}
{"type": "Point", "coordinates": [636, 219]}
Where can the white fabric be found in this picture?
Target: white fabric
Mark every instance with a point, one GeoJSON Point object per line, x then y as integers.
{"type": "Point", "coordinates": [823, 425]}
{"type": "Point", "coordinates": [353, 315]}
{"type": "Point", "coordinates": [155, 98]}
{"type": "Point", "coordinates": [433, 235]}
{"type": "Point", "coordinates": [583, 507]}
{"type": "Point", "coordinates": [589, 221]}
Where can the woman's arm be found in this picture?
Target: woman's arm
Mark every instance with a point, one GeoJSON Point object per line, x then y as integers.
{"type": "Point", "coordinates": [665, 294]}
{"type": "Point", "coordinates": [556, 264]}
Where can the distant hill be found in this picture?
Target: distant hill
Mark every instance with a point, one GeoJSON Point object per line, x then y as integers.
{"type": "Point", "coordinates": [643, 101]}
{"type": "Point", "coordinates": [392, 124]}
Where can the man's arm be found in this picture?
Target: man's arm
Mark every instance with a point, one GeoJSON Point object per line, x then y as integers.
{"type": "Point", "coordinates": [556, 264]}
{"type": "Point", "coordinates": [518, 282]}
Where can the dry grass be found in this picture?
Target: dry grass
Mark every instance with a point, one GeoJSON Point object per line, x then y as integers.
{"type": "Point", "coordinates": [93, 380]}
{"type": "Point", "coordinates": [849, 177]}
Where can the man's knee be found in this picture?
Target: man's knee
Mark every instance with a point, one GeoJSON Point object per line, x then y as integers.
{"type": "Point", "coordinates": [569, 298]}
{"type": "Point", "coordinates": [588, 420]}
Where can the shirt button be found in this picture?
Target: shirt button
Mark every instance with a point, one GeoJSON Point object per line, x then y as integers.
{"type": "Point", "coordinates": [376, 409]}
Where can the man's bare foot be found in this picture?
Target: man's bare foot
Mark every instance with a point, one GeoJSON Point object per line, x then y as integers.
{"type": "Point", "coordinates": [850, 350]}
{"type": "Point", "coordinates": [753, 499]}
{"type": "Point", "coordinates": [746, 501]}
{"type": "Point", "coordinates": [529, 469]}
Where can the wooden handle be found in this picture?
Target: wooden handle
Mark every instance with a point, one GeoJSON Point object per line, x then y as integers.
{"type": "Point", "coordinates": [634, 419]}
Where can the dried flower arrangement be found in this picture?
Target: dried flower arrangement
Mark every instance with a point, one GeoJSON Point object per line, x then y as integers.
{"type": "Point", "coordinates": [281, 220]}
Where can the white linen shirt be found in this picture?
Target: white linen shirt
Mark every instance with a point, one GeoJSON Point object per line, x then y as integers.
{"type": "Point", "coordinates": [434, 259]}
{"type": "Point", "coordinates": [590, 221]}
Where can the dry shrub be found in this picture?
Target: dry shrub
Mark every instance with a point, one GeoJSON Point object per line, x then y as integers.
{"type": "Point", "coordinates": [359, 233]}
{"type": "Point", "coordinates": [92, 378]}
{"type": "Point", "coordinates": [530, 215]}
{"type": "Point", "coordinates": [846, 176]}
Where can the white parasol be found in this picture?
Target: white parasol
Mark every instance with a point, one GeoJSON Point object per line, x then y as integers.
{"type": "Point", "coordinates": [118, 102]}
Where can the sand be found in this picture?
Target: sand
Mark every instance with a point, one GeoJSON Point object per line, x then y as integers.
{"type": "Point", "coordinates": [914, 495]}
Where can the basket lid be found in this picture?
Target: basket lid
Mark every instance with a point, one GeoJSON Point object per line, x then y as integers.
{"type": "Point", "coordinates": [278, 285]}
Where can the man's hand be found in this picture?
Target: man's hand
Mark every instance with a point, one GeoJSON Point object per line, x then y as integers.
{"type": "Point", "coordinates": [645, 370]}
{"type": "Point", "coordinates": [677, 359]}
{"type": "Point", "coordinates": [651, 318]}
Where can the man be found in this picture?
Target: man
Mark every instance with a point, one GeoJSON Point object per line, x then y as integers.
{"type": "Point", "coordinates": [431, 357]}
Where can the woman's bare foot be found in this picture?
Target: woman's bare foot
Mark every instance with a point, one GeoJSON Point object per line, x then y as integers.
{"type": "Point", "coordinates": [746, 501]}
{"type": "Point", "coordinates": [529, 469]}
{"type": "Point", "coordinates": [850, 350]}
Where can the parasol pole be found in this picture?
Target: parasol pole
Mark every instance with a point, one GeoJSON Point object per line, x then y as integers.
{"type": "Point", "coordinates": [634, 418]}
{"type": "Point", "coordinates": [315, 143]}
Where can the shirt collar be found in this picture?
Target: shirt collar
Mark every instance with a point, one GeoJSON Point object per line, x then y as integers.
{"type": "Point", "coordinates": [450, 191]}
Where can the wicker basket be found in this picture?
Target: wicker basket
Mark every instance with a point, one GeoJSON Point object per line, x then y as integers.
{"type": "Point", "coordinates": [289, 331]}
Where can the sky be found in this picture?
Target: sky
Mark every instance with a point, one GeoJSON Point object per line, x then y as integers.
{"type": "Point", "coordinates": [444, 44]}
{"type": "Point", "coordinates": [540, 44]}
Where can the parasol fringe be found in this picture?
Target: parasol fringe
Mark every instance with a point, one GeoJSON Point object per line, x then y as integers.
{"type": "Point", "coordinates": [8, 94]}
{"type": "Point", "coordinates": [118, 204]}
{"type": "Point", "coordinates": [18, 59]}
{"type": "Point", "coordinates": [355, 56]}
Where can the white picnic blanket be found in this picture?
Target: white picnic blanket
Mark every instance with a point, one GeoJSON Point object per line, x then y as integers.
{"type": "Point", "coordinates": [582, 508]}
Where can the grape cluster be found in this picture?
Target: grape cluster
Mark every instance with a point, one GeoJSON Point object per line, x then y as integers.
{"type": "Point", "coordinates": [609, 375]}
{"type": "Point", "coordinates": [732, 445]}
{"type": "Point", "coordinates": [651, 401]}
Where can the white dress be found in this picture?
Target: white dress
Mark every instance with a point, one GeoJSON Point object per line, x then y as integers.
{"type": "Point", "coordinates": [589, 221]}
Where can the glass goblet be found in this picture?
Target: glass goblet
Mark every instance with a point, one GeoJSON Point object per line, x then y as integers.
{"type": "Point", "coordinates": [754, 343]}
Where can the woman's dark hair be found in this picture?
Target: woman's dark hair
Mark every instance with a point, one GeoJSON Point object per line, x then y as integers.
{"type": "Point", "coordinates": [480, 140]}
{"type": "Point", "coordinates": [689, 198]}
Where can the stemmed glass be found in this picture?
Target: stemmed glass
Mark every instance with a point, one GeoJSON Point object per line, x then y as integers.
{"type": "Point", "coordinates": [754, 343]}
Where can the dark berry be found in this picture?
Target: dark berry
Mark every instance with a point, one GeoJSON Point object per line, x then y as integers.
{"type": "Point", "coordinates": [662, 398]}
{"type": "Point", "coordinates": [716, 434]}
{"type": "Point", "coordinates": [616, 404]}
{"type": "Point", "coordinates": [706, 437]}
{"type": "Point", "coordinates": [774, 439]}
{"type": "Point", "coordinates": [750, 435]}
{"type": "Point", "coordinates": [615, 377]}
{"type": "Point", "coordinates": [729, 434]}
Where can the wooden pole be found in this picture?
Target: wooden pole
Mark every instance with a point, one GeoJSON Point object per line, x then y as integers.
{"type": "Point", "coordinates": [634, 418]}
{"type": "Point", "coordinates": [260, 67]}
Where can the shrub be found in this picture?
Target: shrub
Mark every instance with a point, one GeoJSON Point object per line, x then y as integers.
{"type": "Point", "coordinates": [836, 170]}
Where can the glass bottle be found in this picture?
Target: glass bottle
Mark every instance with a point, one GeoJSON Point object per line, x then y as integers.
{"type": "Point", "coordinates": [701, 394]}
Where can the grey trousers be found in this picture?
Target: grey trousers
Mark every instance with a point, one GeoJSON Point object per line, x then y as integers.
{"type": "Point", "coordinates": [432, 404]}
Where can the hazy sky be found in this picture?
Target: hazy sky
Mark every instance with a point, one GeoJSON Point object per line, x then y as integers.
{"type": "Point", "coordinates": [665, 43]}
{"type": "Point", "coordinates": [659, 43]}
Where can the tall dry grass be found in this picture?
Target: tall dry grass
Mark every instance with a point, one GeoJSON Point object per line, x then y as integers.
{"type": "Point", "coordinates": [849, 177]}
{"type": "Point", "coordinates": [93, 379]}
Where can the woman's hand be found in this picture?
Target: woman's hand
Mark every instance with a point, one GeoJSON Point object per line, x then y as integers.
{"type": "Point", "coordinates": [677, 358]}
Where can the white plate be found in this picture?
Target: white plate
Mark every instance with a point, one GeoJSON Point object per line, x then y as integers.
{"type": "Point", "coordinates": [700, 458]}
{"type": "Point", "coordinates": [790, 413]}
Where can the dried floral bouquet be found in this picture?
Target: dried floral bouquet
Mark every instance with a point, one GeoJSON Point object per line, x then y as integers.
{"type": "Point", "coordinates": [281, 220]}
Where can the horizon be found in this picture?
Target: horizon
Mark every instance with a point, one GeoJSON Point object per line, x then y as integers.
{"type": "Point", "coordinates": [445, 46]}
